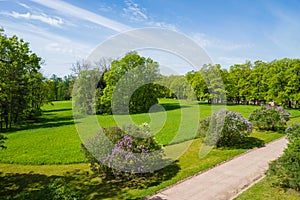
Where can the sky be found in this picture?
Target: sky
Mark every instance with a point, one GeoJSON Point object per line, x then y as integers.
{"type": "Point", "coordinates": [229, 31]}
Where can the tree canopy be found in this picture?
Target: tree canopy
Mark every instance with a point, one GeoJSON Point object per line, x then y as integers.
{"type": "Point", "coordinates": [130, 86]}
{"type": "Point", "coordinates": [22, 91]}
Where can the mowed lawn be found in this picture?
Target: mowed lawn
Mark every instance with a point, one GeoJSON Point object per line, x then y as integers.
{"type": "Point", "coordinates": [50, 148]}
{"type": "Point", "coordinates": [53, 138]}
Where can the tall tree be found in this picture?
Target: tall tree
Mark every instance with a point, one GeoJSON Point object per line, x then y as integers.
{"type": "Point", "coordinates": [130, 85]}
{"type": "Point", "coordinates": [21, 83]}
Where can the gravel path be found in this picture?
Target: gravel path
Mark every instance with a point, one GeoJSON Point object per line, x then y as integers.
{"type": "Point", "coordinates": [225, 181]}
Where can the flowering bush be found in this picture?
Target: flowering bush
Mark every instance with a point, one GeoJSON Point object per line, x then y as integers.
{"type": "Point", "coordinates": [269, 118]}
{"type": "Point", "coordinates": [225, 128]}
{"type": "Point", "coordinates": [285, 170]}
{"type": "Point", "coordinates": [123, 153]}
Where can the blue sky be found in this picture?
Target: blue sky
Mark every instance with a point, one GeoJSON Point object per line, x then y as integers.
{"type": "Point", "coordinates": [230, 31]}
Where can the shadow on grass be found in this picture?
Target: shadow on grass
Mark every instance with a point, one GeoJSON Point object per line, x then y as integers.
{"type": "Point", "coordinates": [50, 124]}
{"type": "Point", "coordinates": [57, 110]}
{"type": "Point", "coordinates": [249, 143]}
{"type": "Point", "coordinates": [172, 106]}
{"type": "Point", "coordinates": [47, 120]}
{"type": "Point", "coordinates": [77, 185]}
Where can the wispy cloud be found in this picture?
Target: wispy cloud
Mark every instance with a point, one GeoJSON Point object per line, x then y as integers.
{"type": "Point", "coordinates": [53, 21]}
{"type": "Point", "coordinates": [105, 8]}
{"type": "Point", "coordinates": [209, 42]}
{"type": "Point", "coordinates": [162, 25]}
{"type": "Point", "coordinates": [74, 11]}
{"type": "Point", "coordinates": [24, 5]}
{"type": "Point", "coordinates": [134, 12]}
{"type": "Point", "coordinates": [58, 51]}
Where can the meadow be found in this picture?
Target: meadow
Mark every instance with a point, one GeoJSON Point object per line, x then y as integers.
{"type": "Point", "coordinates": [50, 148]}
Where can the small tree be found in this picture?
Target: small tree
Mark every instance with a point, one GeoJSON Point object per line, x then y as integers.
{"type": "Point", "coordinates": [225, 128]}
{"type": "Point", "coordinates": [269, 118]}
{"type": "Point", "coordinates": [284, 171]}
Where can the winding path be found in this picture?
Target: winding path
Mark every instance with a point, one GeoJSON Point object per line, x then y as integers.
{"type": "Point", "coordinates": [227, 180]}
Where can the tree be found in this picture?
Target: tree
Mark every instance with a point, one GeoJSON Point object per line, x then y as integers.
{"type": "Point", "coordinates": [214, 82]}
{"type": "Point", "coordinates": [198, 84]}
{"type": "Point", "coordinates": [130, 85]}
{"type": "Point", "coordinates": [21, 83]}
{"type": "Point", "coordinates": [240, 82]}
{"type": "Point", "coordinates": [181, 88]}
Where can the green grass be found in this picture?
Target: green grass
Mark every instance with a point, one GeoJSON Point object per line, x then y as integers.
{"type": "Point", "coordinates": [188, 164]}
{"type": "Point", "coordinates": [41, 151]}
{"type": "Point", "coordinates": [53, 139]}
{"type": "Point", "coordinates": [264, 191]}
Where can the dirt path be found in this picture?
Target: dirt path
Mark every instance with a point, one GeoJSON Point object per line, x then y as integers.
{"type": "Point", "coordinates": [226, 180]}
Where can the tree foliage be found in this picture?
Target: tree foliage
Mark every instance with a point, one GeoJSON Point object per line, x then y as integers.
{"type": "Point", "coordinates": [250, 83]}
{"type": "Point", "coordinates": [22, 88]}
{"type": "Point", "coordinates": [130, 85]}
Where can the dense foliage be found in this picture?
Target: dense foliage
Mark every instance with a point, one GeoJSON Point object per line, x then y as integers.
{"type": "Point", "coordinates": [130, 85]}
{"type": "Point", "coordinates": [224, 128]}
{"type": "Point", "coordinates": [22, 90]}
{"type": "Point", "coordinates": [284, 171]}
{"type": "Point", "coordinates": [59, 88]}
{"type": "Point", "coordinates": [123, 153]}
{"type": "Point", "coordinates": [251, 83]}
{"type": "Point", "coordinates": [269, 118]}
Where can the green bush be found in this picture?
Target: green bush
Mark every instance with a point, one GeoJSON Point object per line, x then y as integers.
{"type": "Point", "coordinates": [269, 118]}
{"type": "Point", "coordinates": [285, 170]}
{"type": "Point", "coordinates": [123, 153]}
{"type": "Point", "coordinates": [224, 128]}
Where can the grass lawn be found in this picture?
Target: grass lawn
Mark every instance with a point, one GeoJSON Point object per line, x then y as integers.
{"type": "Point", "coordinates": [42, 151]}
{"type": "Point", "coordinates": [264, 191]}
{"type": "Point", "coordinates": [53, 139]}
{"type": "Point", "coordinates": [27, 179]}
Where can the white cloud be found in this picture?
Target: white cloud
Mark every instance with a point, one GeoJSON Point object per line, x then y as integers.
{"type": "Point", "coordinates": [134, 12]}
{"type": "Point", "coordinates": [53, 21]}
{"type": "Point", "coordinates": [24, 5]}
{"type": "Point", "coordinates": [79, 13]}
{"type": "Point", "coordinates": [162, 25]}
{"type": "Point", "coordinates": [214, 43]}
{"type": "Point", "coordinates": [58, 51]}
{"type": "Point", "coordinates": [105, 8]}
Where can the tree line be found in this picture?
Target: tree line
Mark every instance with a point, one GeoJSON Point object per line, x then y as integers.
{"type": "Point", "coordinates": [251, 83]}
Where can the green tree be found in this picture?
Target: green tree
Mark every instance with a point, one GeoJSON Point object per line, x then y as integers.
{"type": "Point", "coordinates": [198, 84]}
{"type": "Point", "coordinates": [239, 77]}
{"type": "Point", "coordinates": [130, 85]}
{"type": "Point", "coordinates": [213, 78]}
{"type": "Point", "coordinates": [181, 88]}
{"type": "Point", "coordinates": [21, 83]}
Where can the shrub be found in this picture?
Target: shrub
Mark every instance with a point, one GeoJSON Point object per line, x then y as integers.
{"type": "Point", "coordinates": [285, 170]}
{"type": "Point", "coordinates": [225, 128]}
{"type": "Point", "coordinates": [123, 153]}
{"type": "Point", "coordinates": [269, 118]}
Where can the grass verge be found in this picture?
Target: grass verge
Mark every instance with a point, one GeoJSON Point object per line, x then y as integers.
{"type": "Point", "coordinates": [264, 191]}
